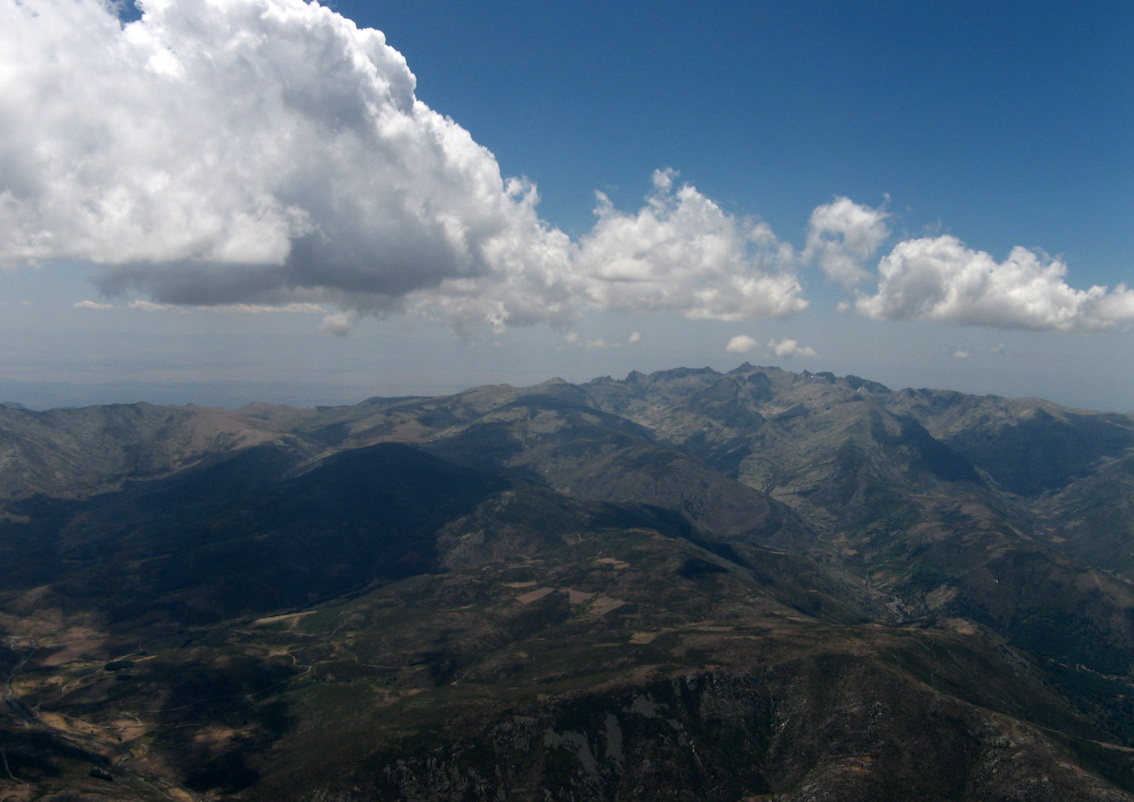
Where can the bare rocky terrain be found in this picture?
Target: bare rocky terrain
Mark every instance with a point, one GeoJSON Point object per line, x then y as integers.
{"type": "Point", "coordinates": [688, 585]}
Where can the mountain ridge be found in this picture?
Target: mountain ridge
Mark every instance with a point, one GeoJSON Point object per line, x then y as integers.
{"type": "Point", "coordinates": [600, 571]}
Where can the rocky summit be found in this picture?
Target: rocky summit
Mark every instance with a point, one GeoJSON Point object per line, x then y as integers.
{"type": "Point", "coordinates": [689, 585]}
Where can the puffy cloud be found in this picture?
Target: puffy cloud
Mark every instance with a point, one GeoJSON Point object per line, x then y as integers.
{"type": "Point", "coordinates": [790, 348]}
{"type": "Point", "coordinates": [940, 279]}
{"type": "Point", "coordinates": [682, 253]}
{"type": "Point", "coordinates": [635, 336]}
{"type": "Point", "coordinates": [841, 236]}
{"type": "Point", "coordinates": [340, 323]}
{"type": "Point", "coordinates": [958, 354]}
{"type": "Point", "coordinates": [786, 349]}
{"type": "Point", "coordinates": [269, 152]}
{"type": "Point", "coordinates": [251, 151]}
{"type": "Point", "coordinates": [1117, 306]}
{"type": "Point", "coordinates": [597, 343]}
{"type": "Point", "coordinates": [92, 305]}
{"type": "Point", "coordinates": [741, 344]}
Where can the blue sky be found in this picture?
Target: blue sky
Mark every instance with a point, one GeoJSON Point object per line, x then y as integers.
{"type": "Point", "coordinates": [1006, 123]}
{"type": "Point", "coordinates": [242, 202]}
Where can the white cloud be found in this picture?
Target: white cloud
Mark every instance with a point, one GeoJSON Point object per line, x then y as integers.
{"type": "Point", "coordinates": [270, 153]}
{"type": "Point", "coordinates": [150, 306]}
{"type": "Point", "coordinates": [940, 279]}
{"type": "Point", "coordinates": [575, 339]}
{"type": "Point", "coordinates": [597, 344]}
{"type": "Point", "coordinates": [841, 236]}
{"type": "Point", "coordinates": [1117, 306]}
{"type": "Point", "coordinates": [340, 323]}
{"type": "Point", "coordinates": [682, 253]}
{"type": "Point", "coordinates": [786, 349]}
{"type": "Point", "coordinates": [741, 344]}
{"type": "Point", "coordinates": [961, 354]}
{"type": "Point", "coordinates": [635, 336]}
{"type": "Point", "coordinates": [261, 309]}
{"type": "Point", "coordinates": [240, 151]}
{"type": "Point", "coordinates": [790, 348]}
{"type": "Point", "coordinates": [242, 309]}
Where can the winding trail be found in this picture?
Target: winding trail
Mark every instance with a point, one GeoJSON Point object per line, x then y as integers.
{"type": "Point", "coordinates": [17, 706]}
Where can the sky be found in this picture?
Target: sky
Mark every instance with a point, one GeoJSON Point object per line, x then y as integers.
{"type": "Point", "coordinates": [227, 201]}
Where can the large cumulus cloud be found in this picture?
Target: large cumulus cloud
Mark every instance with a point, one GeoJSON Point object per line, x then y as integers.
{"type": "Point", "coordinates": [234, 150]}
{"type": "Point", "coordinates": [270, 151]}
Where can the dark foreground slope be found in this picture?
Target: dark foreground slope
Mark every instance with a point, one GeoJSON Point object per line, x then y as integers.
{"type": "Point", "coordinates": [690, 585]}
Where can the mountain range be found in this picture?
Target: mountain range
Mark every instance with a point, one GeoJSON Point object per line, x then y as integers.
{"type": "Point", "coordinates": [688, 585]}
